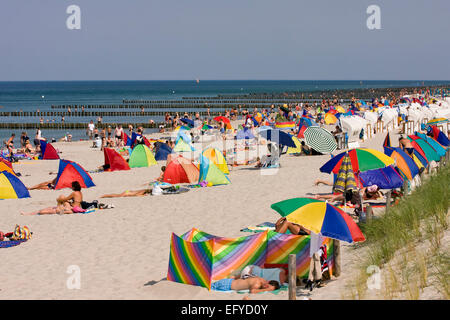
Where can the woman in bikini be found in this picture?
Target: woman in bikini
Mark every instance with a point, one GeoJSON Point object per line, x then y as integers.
{"type": "Point", "coordinates": [65, 205]}
{"type": "Point", "coordinates": [129, 193]}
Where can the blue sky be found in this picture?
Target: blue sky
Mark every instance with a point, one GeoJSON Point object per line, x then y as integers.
{"type": "Point", "coordinates": [209, 39]}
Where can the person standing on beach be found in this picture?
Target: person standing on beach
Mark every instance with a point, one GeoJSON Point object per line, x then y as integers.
{"type": "Point", "coordinates": [91, 127]}
{"type": "Point", "coordinates": [118, 133]}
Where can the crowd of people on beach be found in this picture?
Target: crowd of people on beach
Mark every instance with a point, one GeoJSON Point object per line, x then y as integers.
{"type": "Point", "coordinates": [253, 278]}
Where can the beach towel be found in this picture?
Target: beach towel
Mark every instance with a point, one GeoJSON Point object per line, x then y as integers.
{"type": "Point", "coordinates": [173, 190]}
{"type": "Point", "coordinates": [261, 228]}
{"type": "Point", "coordinates": [10, 243]}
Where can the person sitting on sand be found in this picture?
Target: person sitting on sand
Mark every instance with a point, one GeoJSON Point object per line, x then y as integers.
{"type": "Point", "coordinates": [282, 225]}
{"type": "Point", "coordinates": [161, 176]}
{"type": "Point", "coordinates": [254, 284]}
{"type": "Point", "coordinates": [129, 193]}
{"type": "Point", "coordinates": [269, 274]}
{"type": "Point", "coordinates": [47, 185]}
{"type": "Point", "coordinates": [65, 205]}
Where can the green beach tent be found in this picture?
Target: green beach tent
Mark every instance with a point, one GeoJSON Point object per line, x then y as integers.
{"type": "Point", "coordinates": [183, 146]}
{"type": "Point", "coordinates": [211, 173]}
{"type": "Point", "coordinates": [141, 156]}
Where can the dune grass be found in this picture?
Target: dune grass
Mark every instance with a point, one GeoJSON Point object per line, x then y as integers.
{"type": "Point", "coordinates": [392, 240]}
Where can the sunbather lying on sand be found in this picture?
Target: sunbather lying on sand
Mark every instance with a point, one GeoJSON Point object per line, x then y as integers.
{"type": "Point", "coordinates": [47, 185]}
{"type": "Point", "coordinates": [129, 193]}
{"type": "Point", "coordinates": [65, 205]}
{"type": "Point", "coordinates": [269, 274]}
{"type": "Point", "coordinates": [282, 225]}
{"type": "Point", "coordinates": [254, 284]}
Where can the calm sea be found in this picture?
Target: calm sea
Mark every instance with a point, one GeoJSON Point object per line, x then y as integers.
{"type": "Point", "coordinates": [30, 96]}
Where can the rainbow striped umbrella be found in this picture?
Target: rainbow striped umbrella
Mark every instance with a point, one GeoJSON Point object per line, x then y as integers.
{"type": "Point", "coordinates": [362, 159]}
{"type": "Point", "coordinates": [320, 217]}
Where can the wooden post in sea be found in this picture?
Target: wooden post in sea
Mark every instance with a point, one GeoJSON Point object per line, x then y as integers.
{"type": "Point", "coordinates": [292, 277]}
{"type": "Point", "coordinates": [337, 257]}
{"type": "Point", "coordinates": [388, 200]}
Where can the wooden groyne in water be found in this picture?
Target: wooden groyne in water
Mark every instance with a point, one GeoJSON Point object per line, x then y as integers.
{"type": "Point", "coordinates": [72, 126]}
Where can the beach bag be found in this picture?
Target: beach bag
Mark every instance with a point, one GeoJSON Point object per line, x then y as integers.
{"type": "Point", "coordinates": [21, 233]}
{"type": "Point", "coordinates": [156, 191]}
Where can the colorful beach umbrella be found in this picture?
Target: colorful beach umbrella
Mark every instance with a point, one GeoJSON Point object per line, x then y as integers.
{"type": "Point", "coordinates": [320, 217]}
{"type": "Point", "coordinates": [141, 156]}
{"type": "Point", "coordinates": [222, 118]}
{"type": "Point", "coordinates": [11, 187]}
{"type": "Point", "coordinates": [404, 162]}
{"type": "Point", "coordinates": [437, 121]}
{"type": "Point", "coordinates": [345, 179]}
{"type": "Point", "coordinates": [362, 159]}
{"type": "Point", "coordinates": [330, 118]}
{"type": "Point", "coordinates": [320, 139]}
{"type": "Point", "coordinates": [278, 136]}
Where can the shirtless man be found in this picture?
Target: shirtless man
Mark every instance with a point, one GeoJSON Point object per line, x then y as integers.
{"type": "Point", "coordinates": [277, 274]}
{"type": "Point", "coordinates": [406, 145]}
{"type": "Point", "coordinates": [254, 284]}
{"type": "Point", "coordinates": [65, 205]}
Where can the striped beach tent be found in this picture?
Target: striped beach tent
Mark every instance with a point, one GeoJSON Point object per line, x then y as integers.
{"type": "Point", "coordinates": [199, 258]}
{"type": "Point", "coordinates": [11, 187]}
{"type": "Point", "coordinates": [320, 139]}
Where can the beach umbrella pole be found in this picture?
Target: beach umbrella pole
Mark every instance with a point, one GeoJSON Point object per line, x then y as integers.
{"type": "Point", "coordinates": [292, 277]}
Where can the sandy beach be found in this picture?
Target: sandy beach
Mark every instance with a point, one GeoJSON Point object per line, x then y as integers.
{"type": "Point", "coordinates": [123, 252]}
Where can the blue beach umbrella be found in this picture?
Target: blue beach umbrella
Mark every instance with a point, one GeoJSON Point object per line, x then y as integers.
{"type": "Point", "coordinates": [278, 136]}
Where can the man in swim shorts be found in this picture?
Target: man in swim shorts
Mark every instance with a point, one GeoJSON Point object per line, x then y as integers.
{"type": "Point", "coordinates": [254, 284]}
